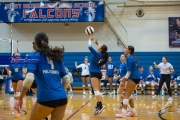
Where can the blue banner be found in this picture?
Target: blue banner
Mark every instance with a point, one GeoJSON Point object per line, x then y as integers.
{"type": "Point", "coordinates": [28, 12]}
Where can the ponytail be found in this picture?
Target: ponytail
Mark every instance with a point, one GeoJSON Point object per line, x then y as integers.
{"type": "Point", "coordinates": [137, 63]}
{"type": "Point", "coordinates": [41, 45]}
{"type": "Point", "coordinates": [52, 53]}
{"type": "Point", "coordinates": [105, 59]}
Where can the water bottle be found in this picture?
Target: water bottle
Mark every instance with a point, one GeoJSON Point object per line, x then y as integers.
{"type": "Point", "coordinates": [135, 92]}
{"type": "Point", "coordinates": [160, 93]}
{"type": "Point", "coordinates": [175, 92]}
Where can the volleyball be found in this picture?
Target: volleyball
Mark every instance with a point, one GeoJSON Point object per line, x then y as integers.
{"type": "Point", "coordinates": [89, 30]}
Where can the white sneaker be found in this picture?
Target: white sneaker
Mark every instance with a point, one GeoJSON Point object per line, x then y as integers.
{"type": "Point", "coordinates": [84, 92]}
{"type": "Point", "coordinates": [154, 97]}
{"type": "Point", "coordinates": [170, 99]}
{"type": "Point", "coordinates": [90, 92]}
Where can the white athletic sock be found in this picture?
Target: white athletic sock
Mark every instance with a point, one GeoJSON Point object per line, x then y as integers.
{"type": "Point", "coordinates": [133, 110]}
{"type": "Point", "coordinates": [123, 111]}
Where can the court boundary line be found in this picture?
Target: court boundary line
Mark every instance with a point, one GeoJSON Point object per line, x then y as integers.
{"type": "Point", "coordinates": [160, 114]}
{"type": "Point", "coordinates": [77, 110]}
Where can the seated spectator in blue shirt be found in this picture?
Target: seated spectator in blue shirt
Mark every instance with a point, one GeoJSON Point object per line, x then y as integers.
{"type": "Point", "coordinates": [151, 79]}
{"type": "Point", "coordinates": [173, 81]}
{"type": "Point", "coordinates": [142, 83]}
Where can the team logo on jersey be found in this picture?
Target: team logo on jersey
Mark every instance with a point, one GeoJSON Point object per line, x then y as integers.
{"type": "Point", "coordinates": [91, 14]}
{"type": "Point", "coordinates": [140, 12]}
{"type": "Point", "coordinates": [11, 15]}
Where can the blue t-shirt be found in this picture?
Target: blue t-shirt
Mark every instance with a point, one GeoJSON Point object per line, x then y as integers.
{"type": "Point", "coordinates": [142, 76]}
{"type": "Point", "coordinates": [123, 69]}
{"type": "Point", "coordinates": [132, 67]}
{"type": "Point", "coordinates": [94, 61]}
{"type": "Point", "coordinates": [48, 74]}
{"type": "Point", "coordinates": [150, 76]}
{"type": "Point", "coordinates": [173, 75]}
{"type": "Point", "coordinates": [110, 66]}
{"type": "Point", "coordinates": [16, 71]}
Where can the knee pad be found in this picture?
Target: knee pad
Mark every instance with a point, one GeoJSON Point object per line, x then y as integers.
{"type": "Point", "coordinates": [125, 101]}
{"type": "Point", "coordinates": [97, 93]}
{"type": "Point", "coordinates": [140, 85]}
{"type": "Point", "coordinates": [83, 86]}
{"type": "Point", "coordinates": [18, 94]}
{"type": "Point", "coordinates": [131, 97]}
{"type": "Point", "coordinates": [144, 85]}
{"type": "Point", "coordinates": [152, 84]}
{"type": "Point", "coordinates": [89, 85]}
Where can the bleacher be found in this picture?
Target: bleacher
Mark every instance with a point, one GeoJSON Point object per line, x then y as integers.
{"type": "Point", "coordinates": [146, 59]}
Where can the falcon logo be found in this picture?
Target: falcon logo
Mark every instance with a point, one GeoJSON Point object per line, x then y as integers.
{"type": "Point", "coordinates": [11, 15]}
{"type": "Point", "coordinates": [91, 14]}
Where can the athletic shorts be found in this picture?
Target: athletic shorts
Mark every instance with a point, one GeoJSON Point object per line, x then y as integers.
{"type": "Point", "coordinates": [85, 76]}
{"type": "Point", "coordinates": [135, 81]}
{"type": "Point", "coordinates": [34, 85]}
{"type": "Point", "coordinates": [54, 103]}
{"type": "Point", "coordinates": [17, 80]}
{"type": "Point", "coordinates": [96, 75]}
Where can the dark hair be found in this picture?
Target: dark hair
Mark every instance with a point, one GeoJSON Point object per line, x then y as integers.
{"type": "Point", "coordinates": [125, 55]}
{"type": "Point", "coordinates": [131, 48]}
{"type": "Point", "coordinates": [41, 39]}
{"type": "Point", "coordinates": [165, 58]}
{"type": "Point", "coordinates": [105, 55]}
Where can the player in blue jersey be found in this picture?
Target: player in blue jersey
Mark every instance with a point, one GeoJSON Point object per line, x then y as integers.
{"type": "Point", "coordinates": [142, 83]}
{"type": "Point", "coordinates": [98, 58]}
{"type": "Point", "coordinates": [110, 68]}
{"type": "Point", "coordinates": [122, 72]}
{"type": "Point", "coordinates": [133, 77]}
{"type": "Point", "coordinates": [16, 71]}
{"type": "Point", "coordinates": [173, 82]}
{"type": "Point", "coordinates": [48, 71]}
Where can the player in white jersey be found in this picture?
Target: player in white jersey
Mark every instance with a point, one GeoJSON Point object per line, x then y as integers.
{"type": "Point", "coordinates": [85, 74]}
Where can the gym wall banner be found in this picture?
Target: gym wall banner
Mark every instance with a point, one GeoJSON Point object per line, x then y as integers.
{"type": "Point", "coordinates": [174, 32]}
{"type": "Point", "coordinates": [32, 12]}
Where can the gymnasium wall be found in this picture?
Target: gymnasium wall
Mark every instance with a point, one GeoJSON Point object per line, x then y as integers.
{"type": "Point", "coordinates": [147, 34]}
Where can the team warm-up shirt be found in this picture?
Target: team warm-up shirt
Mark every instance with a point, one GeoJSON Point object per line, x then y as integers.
{"type": "Point", "coordinates": [142, 76]}
{"type": "Point", "coordinates": [110, 66]}
{"type": "Point", "coordinates": [173, 75]}
{"type": "Point", "coordinates": [94, 61]}
{"type": "Point", "coordinates": [150, 76]}
{"type": "Point", "coordinates": [165, 68]}
{"type": "Point", "coordinates": [48, 74]}
{"type": "Point", "coordinates": [85, 69]}
{"type": "Point", "coordinates": [16, 71]}
{"type": "Point", "coordinates": [123, 69]}
{"type": "Point", "coordinates": [132, 67]}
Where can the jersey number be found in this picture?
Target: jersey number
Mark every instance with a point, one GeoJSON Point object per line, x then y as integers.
{"type": "Point", "coordinates": [50, 62]}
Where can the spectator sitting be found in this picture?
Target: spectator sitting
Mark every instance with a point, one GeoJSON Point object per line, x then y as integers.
{"type": "Point", "coordinates": [71, 82]}
{"type": "Point", "coordinates": [173, 81]}
{"type": "Point", "coordinates": [151, 79]}
{"type": "Point", "coordinates": [142, 83]}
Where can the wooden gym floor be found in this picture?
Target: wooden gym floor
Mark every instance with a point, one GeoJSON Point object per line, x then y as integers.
{"type": "Point", "coordinates": [82, 107]}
